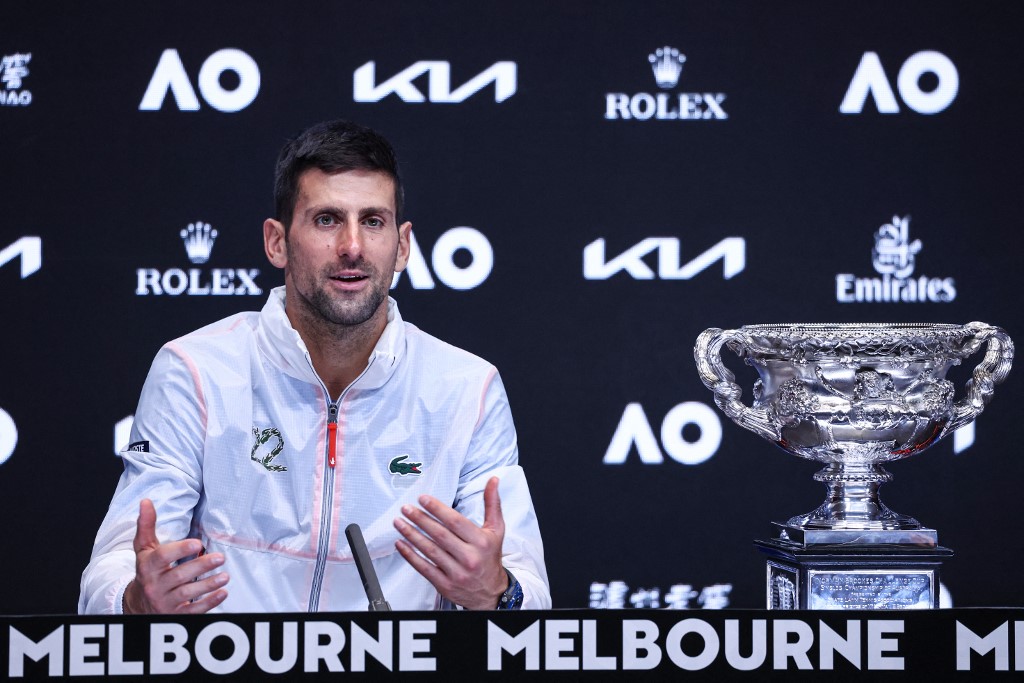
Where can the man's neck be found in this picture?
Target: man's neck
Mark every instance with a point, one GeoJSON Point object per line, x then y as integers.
{"type": "Point", "coordinates": [339, 353]}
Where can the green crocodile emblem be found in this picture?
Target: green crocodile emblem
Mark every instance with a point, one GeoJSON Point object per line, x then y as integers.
{"type": "Point", "coordinates": [404, 468]}
{"type": "Point", "coordinates": [262, 437]}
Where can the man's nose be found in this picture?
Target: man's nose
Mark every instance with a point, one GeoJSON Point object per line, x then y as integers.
{"type": "Point", "coordinates": [349, 240]}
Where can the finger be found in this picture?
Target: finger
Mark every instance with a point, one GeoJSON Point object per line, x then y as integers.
{"type": "Point", "coordinates": [429, 571]}
{"type": "Point", "coordinates": [493, 519]}
{"type": "Point", "coordinates": [163, 557]}
{"type": "Point", "coordinates": [461, 548]}
{"type": "Point", "coordinates": [203, 604]}
{"type": "Point", "coordinates": [187, 572]}
{"type": "Point", "coordinates": [196, 590]}
{"type": "Point", "coordinates": [437, 554]}
{"type": "Point", "coordinates": [145, 527]}
{"type": "Point", "coordinates": [435, 528]}
{"type": "Point", "coordinates": [449, 518]}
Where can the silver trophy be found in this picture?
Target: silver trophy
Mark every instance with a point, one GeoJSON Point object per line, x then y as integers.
{"type": "Point", "coordinates": [854, 396]}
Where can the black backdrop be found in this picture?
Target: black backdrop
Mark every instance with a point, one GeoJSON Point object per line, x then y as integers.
{"type": "Point", "coordinates": [802, 188]}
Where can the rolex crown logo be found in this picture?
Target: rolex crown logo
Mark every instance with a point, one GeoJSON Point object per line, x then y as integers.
{"type": "Point", "coordinates": [667, 64]}
{"type": "Point", "coordinates": [198, 238]}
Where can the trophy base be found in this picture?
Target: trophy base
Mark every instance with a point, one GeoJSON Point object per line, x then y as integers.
{"type": "Point", "coordinates": [836, 570]}
{"type": "Point", "coordinates": [921, 537]}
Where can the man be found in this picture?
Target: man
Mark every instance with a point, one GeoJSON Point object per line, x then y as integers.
{"type": "Point", "coordinates": [259, 438]}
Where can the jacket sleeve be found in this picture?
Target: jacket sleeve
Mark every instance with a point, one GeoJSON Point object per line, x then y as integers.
{"type": "Point", "coordinates": [164, 465]}
{"type": "Point", "coordinates": [493, 451]}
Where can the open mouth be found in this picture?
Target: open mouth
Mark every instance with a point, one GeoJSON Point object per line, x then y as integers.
{"type": "Point", "coordinates": [349, 278]}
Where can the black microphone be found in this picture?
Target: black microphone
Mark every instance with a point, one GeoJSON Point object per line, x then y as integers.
{"type": "Point", "coordinates": [365, 567]}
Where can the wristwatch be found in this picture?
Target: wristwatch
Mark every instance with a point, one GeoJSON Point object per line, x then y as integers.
{"type": "Point", "coordinates": [512, 598]}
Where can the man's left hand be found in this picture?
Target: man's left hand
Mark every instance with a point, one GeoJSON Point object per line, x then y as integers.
{"type": "Point", "coordinates": [462, 560]}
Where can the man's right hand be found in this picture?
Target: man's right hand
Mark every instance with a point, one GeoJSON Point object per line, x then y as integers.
{"type": "Point", "coordinates": [161, 586]}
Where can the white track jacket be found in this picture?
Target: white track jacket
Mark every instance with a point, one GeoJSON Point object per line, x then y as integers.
{"type": "Point", "coordinates": [238, 444]}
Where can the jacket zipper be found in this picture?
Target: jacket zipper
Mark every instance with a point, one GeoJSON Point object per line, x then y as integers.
{"type": "Point", "coordinates": [326, 505]}
{"type": "Point", "coordinates": [327, 499]}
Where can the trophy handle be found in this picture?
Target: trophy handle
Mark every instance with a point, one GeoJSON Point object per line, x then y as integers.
{"type": "Point", "coordinates": [719, 379]}
{"type": "Point", "coordinates": [992, 370]}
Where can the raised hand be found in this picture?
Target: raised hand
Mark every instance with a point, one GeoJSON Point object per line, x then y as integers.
{"type": "Point", "coordinates": [161, 584]}
{"type": "Point", "coordinates": [462, 560]}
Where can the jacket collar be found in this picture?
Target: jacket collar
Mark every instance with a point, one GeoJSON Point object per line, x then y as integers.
{"type": "Point", "coordinates": [282, 345]}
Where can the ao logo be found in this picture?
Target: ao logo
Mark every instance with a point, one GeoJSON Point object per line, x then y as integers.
{"type": "Point", "coordinates": [170, 75]}
{"type": "Point", "coordinates": [443, 259]}
{"type": "Point", "coordinates": [30, 249]}
{"type": "Point", "coordinates": [8, 436]}
{"type": "Point", "coordinates": [869, 79]}
{"type": "Point", "coordinates": [634, 429]}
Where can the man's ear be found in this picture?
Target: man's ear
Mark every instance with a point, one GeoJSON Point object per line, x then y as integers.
{"type": "Point", "coordinates": [274, 242]}
{"type": "Point", "coordinates": [404, 239]}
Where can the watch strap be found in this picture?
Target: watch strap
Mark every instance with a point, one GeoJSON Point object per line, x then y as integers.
{"type": "Point", "coordinates": [512, 598]}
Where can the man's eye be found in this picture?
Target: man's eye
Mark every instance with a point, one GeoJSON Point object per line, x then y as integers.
{"type": "Point", "coordinates": [375, 222]}
{"type": "Point", "coordinates": [324, 220]}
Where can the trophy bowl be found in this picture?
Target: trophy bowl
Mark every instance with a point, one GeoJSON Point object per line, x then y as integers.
{"type": "Point", "coordinates": [854, 396]}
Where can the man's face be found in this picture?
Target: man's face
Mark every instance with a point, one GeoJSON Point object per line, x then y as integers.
{"type": "Point", "coordinates": [342, 248]}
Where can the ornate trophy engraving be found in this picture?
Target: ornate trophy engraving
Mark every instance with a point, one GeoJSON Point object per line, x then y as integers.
{"type": "Point", "coordinates": [854, 396]}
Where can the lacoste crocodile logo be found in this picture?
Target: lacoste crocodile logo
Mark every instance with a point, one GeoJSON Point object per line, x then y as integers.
{"type": "Point", "coordinates": [404, 468]}
{"type": "Point", "coordinates": [262, 438]}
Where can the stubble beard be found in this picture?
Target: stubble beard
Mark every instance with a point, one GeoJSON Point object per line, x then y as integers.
{"type": "Point", "coordinates": [346, 309]}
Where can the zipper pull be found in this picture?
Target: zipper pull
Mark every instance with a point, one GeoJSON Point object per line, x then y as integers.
{"type": "Point", "coordinates": [332, 434]}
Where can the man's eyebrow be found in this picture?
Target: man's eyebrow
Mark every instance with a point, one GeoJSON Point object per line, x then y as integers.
{"type": "Point", "coordinates": [382, 210]}
{"type": "Point", "coordinates": [324, 208]}
{"type": "Point", "coordinates": [338, 211]}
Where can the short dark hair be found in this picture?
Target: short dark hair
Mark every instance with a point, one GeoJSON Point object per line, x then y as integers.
{"type": "Point", "coordinates": [332, 146]}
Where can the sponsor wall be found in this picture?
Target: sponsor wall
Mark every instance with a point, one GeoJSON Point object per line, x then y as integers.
{"type": "Point", "coordinates": [591, 185]}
